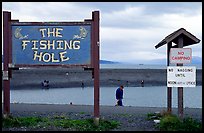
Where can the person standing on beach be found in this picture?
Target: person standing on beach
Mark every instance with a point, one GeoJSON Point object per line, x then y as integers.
{"type": "Point", "coordinates": [45, 83]}
{"type": "Point", "coordinates": [119, 95]}
{"type": "Point", "coordinates": [82, 85]}
{"type": "Point", "coordinates": [142, 83]}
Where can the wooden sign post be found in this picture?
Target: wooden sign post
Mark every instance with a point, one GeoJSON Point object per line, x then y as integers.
{"type": "Point", "coordinates": [6, 61]}
{"type": "Point", "coordinates": [40, 44]}
{"type": "Point", "coordinates": [181, 38]}
{"type": "Point", "coordinates": [180, 89]}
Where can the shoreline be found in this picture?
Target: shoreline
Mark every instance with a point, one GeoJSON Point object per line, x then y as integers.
{"type": "Point", "coordinates": [104, 109]}
{"type": "Point", "coordinates": [69, 77]}
{"type": "Point", "coordinates": [130, 118]}
{"type": "Point", "coordinates": [70, 87]}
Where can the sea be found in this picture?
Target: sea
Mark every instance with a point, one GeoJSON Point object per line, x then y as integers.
{"type": "Point", "coordinates": [153, 96]}
{"type": "Point", "coordinates": [137, 66]}
{"type": "Point", "coordinates": [142, 66]}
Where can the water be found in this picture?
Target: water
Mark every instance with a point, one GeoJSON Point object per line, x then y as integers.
{"type": "Point", "coordinates": [133, 96]}
{"type": "Point", "coordinates": [138, 66]}
{"type": "Point", "coordinates": [142, 66]}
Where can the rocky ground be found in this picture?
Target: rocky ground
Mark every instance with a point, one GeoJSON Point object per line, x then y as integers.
{"type": "Point", "coordinates": [130, 118]}
{"type": "Point", "coordinates": [127, 122]}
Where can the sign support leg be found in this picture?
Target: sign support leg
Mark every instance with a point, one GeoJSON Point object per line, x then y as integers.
{"type": "Point", "coordinates": [6, 77]}
{"type": "Point", "coordinates": [95, 17]}
{"type": "Point", "coordinates": [169, 89]}
{"type": "Point", "coordinates": [180, 102]}
{"type": "Point", "coordinates": [180, 89]}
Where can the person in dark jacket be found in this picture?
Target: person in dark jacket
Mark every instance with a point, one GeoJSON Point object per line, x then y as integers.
{"type": "Point", "coordinates": [45, 84]}
{"type": "Point", "coordinates": [119, 95]}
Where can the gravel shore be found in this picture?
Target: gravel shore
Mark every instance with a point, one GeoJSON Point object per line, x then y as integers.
{"type": "Point", "coordinates": [130, 118]}
{"type": "Point", "coordinates": [70, 77]}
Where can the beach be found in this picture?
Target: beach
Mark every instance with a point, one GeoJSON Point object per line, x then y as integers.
{"type": "Point", "coordinates": [130, 118]}
{"type": "Point", "coordinates": [74, 77]}
{"type": "Point", "coordinates": [104, 110]}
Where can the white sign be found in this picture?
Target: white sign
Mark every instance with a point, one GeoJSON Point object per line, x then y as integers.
{"type": "Point", "coordinates": [181, 76]}
{"type": "Point", "coordinates": [180, 55]}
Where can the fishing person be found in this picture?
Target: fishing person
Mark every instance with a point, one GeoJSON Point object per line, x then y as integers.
{"type": "Point", "coordinates": [119, 95]}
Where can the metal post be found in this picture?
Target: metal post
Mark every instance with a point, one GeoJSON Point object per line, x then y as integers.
{"type": "Point", "coordinates": [169, 89]}
{"type": "Point", "coordinates": [96, 44]}
{"type": "Point", "coordinates": [180, 89]}
{"type": "Point", "coordinates": [6, 44]}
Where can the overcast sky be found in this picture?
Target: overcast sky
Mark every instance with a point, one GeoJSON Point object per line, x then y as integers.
{"type": "Point", "coordinates": [128, 31]}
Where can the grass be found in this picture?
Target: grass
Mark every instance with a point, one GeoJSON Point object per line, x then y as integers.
{"type": "Point", "coordinates": [153, 116]}
{"type": "Point", "coordinates": [61, 122]}
{"type": "Point", "coordinates": [170, 122]}
{"type": "Point", "coordinates": [173, 123]}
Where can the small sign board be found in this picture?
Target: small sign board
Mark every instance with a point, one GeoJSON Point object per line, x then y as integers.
{"type": "Point", "coordinates": [180, 55]}
{"type": "Point", "coordinates": [181, 76]}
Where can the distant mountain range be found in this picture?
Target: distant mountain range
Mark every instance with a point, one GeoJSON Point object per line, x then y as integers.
{"type": "Point", "coordinates": [108, 62]}
{"type": "Point", "coordinates": [195, 60]}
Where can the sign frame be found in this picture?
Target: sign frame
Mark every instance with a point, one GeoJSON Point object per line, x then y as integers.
{"type": "Point", "coordinates": [94, 52]}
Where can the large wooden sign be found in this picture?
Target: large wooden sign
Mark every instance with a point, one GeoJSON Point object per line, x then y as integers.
{"type": "Point", "coordinates": [51, 44]}
{"type": "Point", "coordinates": [31, 44]}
